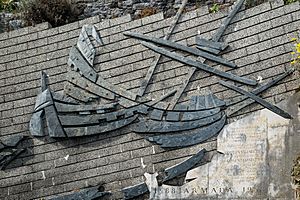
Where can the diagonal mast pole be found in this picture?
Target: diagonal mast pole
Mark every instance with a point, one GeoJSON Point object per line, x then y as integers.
{"type": "Point", "coordinates": [152, 68]}
{"type": "Point", "coordinates": [215, 38]}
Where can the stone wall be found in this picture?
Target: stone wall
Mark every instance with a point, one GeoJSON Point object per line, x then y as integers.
{"type": "Point", "coordinates": [259, 44]}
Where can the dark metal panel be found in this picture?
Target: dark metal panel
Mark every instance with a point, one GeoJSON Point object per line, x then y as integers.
{"type": "Point", "coordinates": [211, 44]}
{"type": "Point", "coordinates": [12, 141]}
{"type": "Point", "coordinates": [8, 159]}
{"type": "Point", "coordinates": [92, 193]}
{"type": "Point", "coordinates": [173, 116]}
{"type": "Point", "coordinates": [259, 100]}
{"type": "Point", "coordinates": [181, 47]}
{"type": "Point", "coordinates": [54, 127]}
{"type": "Point", "coordinates": [188, 116]}
{"type": "Point", "coordinates": [183, 167]}
{"type": "Point", "coordinates": [189, 138]}
{"type": "Point", "coordinates": [199, 65]}
{"type": "Point", "coordinates": [61, 107]}
{"type": "Point", "coordinates": [79, 63]}
{"type": "Point", "coordinates": [156, 114]}
{"type": "Point", "coordinates": [151, 126]}
{"type": "Point", "coordinates": [42, 100]}
{"type": "Point", "coordinates": [135, 191]}
{"type": "Point", "coordinates": [91, 130]}
{"type": "Point", "coordinates": [83, 83]}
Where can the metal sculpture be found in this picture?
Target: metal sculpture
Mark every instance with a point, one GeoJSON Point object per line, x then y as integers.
{"type": "Point", "coordinates": [259, 100]}
{"type": "Point", "coordinates": [168, 174]}
{"type": "Point", "coordinates": [91, 193]}
{"type": "Point", "coordinates": [9, 150]}
{"type": "Point", "coordinates": [91, 105]}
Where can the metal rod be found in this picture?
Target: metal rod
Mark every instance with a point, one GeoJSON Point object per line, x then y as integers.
{"type": "Point", "coordinates": [152, 68]}
{"type": "Point", "coordinates": [259, 100]}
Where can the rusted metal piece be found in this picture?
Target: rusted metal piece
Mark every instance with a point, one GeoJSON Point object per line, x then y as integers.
{"type": "Point", "coordinates": [153, 126]}
{"type": "Point", "coordinates": [246, 101]}
{"type": "Point", "coordinates": [184, 166]}
{"type": "Point", "coordinates": [199, 65]}
{"type": "Point", "coordinates": [259, 100]}
{"type": "Point", "coordinates": [181, 47]}
{"type": "Point", "coordinates": [153, 65]}
{"type": "Point", "coordinates": [9, 150]}
{"type": "Point", "coordinates": [190, 137]}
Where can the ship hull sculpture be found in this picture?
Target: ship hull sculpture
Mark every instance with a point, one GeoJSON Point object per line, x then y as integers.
{"type": "Point", "coordinates": [172, 124]}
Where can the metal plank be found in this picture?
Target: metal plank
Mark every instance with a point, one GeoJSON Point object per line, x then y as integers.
{"type": "Point", "coordinates": [53, 124]}
{"type": "Point", "coordinates": [78, 93]}
{"type": "Point", "coordinates": [216, 38]}
{"type": "Point", "coordinates": [153, 65]}
{"type": "Point", "coordinates": [195, 115]}
{"type": "Point", "coordinates": [211, 44]}
{"type": "Point", "coordinates": [233, 109]}
{"type": "Point", "coordinates": [227, 21]}
{"type": "Point", "coordinates": [152, 126]}
{"type": "Point", "coordinates": [181, 47]}
{"type": "Point", "coordinates": [62, 97]}
{"type": "Point", "coordinates": [66, 108]}
{"type": "Point", "coordinates": [199, 65]}
{"type": "Point", "coordinates": [91, 193]}
{"type": "Point", "coordinates": [156, 114]}
{"type": "Point", "coordinates": [80, 64]}
{"type": "Point", "coordinates": [4, 163]}
{"type": "Point", "coordinates": [209, 50]}
{"type": "Point", "coordinates": [259, 100]}
{"type": "Point", "coordinates": [83, 83]}
{"type": "Point", "coordinates": [173, 116]}
{"type": "Point", "coordinates": [190, 137]}
{"type": "Point", "coordinates": [135, 190]}
{"type": "Point", "coordinates": [184, 166]}
{"type": "Point", "coordinates": [115, 89]}
{"type": "Point", "coordinates": [91, 130]}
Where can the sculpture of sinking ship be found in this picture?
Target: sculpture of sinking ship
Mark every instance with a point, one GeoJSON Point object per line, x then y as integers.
{"type": "Point", "coordinates": [170, 124]}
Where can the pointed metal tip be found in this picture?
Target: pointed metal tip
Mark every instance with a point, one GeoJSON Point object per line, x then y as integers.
{"type": "Point", "coordinates": [44, 81]}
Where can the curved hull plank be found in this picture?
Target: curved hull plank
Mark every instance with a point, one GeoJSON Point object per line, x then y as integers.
{"type": "Point", "coordinates": [189, 138]}
{"type": "Point", "coordinates": [91, 130]}
{"type": "Point", "coordinates": [151, 126]}
{"type": "Point", "coordinates": [203, 102]}
{"type": "Point", "coordinates": [68, 108]}
{"type": "Point", "coordinates": [81, 120]}
{"type": "Point", "coordinates": [78, 93]}
{"type": "Point", "coordinates": [188, 116]}
{"type": "Point", "coordinates": [85, 84]}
